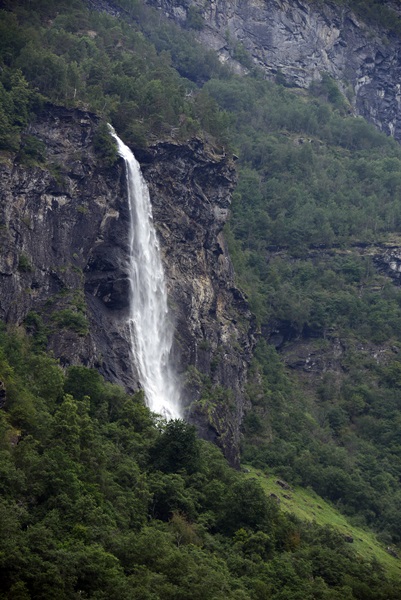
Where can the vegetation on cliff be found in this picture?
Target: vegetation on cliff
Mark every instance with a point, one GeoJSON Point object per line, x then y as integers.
{"type": "Point", "coordinates": [136, 74]}
{"type": "Point", "coordinates": [316, 187]}
{"type": "Point", "coordinates": [99, 499]}
{"type": "Point", "coordinates": [374, 12]}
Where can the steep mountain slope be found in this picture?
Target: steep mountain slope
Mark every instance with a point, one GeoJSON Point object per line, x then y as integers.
{"type": "Point", "coordinates": [99, 501]}
{"type": "Point", "coordinates": [64, 230]}
{"type": "Point", "coordinates": [190, 189]}
{"type": "Point", "coordinates": [305, 172]}
{"type": "Point", "coordinates": [64, 265]}
{"type": "Point", "coordinates": [98, 498]}
{"type": "Point", "coordinates": [296, 42]}
{"type": "Point", "coordinates": [65, 221]}
{"type": "Point", "coordinates": [315, 241]}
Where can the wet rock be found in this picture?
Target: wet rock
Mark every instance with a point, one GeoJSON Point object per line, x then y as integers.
{"type": "Point", "coordinates": [190, 187]}
{"type": "Point", "coordinates": [65, 245]}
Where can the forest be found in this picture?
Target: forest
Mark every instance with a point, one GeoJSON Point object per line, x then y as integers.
{"type": "Point", "coordinates": [100, 498]}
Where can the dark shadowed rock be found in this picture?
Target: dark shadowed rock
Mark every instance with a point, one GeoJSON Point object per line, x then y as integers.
{"type": "Point", "coordinates": [64, 234]}
{"type": "Point", "coordinates": [64, 231]}
{"type": "Point", "coordinates": [190, 187]}
{"type": "Point", "coordinates": [283, 484]}
{"type": "Point", "coordinates": [3, 394]}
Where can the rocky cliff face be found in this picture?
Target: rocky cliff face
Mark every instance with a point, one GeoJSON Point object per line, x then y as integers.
{"type": "Point", "coordinates": [190, 190]}
{"type": "Point", "coordinates": [299, 40]}
{"type": "Point", "coordinates": [63, 230]}
{"type": "Point", "coordinates": [328, 355]}
{"type": "Point", "coordinates": [64, 233]}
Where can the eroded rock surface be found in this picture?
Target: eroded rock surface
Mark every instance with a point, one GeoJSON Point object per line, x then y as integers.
{"type": "Point", "coordinates": [299, 40]}
{"type": "Point", "coordinates": [190, 189]}
{"type": "Point", "coordinates": [64, 235]}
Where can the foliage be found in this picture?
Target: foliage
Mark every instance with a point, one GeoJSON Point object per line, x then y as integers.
{"type": "Point", "coordinates": [86, 511]}
{"type": "Point", "coordinates": [15, 103]}
{"type": "Point", "coordinates": [194, 18]}
{"type": "Point", "coordinates": [24, 265]}
{"type": "Point", "coordinates": [104, 145]}
{"type": "Point", "coordinates": [36, 328]}
{"type": "Point", "coordinates": [342, 444]}
{"type": "Point", "coordinates": [32, 150]}
{"type": "Point", "coordinates": [374, 12]}
{"type": "Point", "coordinates": [143, 85]}
{"type": "Point", "coordinates": [315, 187]}
{"type": "Point", "coordinates": [301, 164]}
{"type": "Point", "coordinates": [308, 506]}
{"type": "Point", "coordinates": [98, 501]}
{"type": "Point", "coordinates": [176, 448]}
{"type": "Point", "coordinates": [68, 318]}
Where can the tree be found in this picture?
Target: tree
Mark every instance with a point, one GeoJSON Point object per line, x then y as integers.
{"type": "Point", "coordinates": [177, 448]}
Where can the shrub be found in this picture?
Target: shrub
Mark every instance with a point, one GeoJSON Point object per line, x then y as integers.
{"type": "Point", "coordinates": [70, 319]}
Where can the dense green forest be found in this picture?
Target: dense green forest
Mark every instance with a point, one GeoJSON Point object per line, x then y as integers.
{"type": "Point", "coordinates": [140, 77]}
{"type": "Point", "coordinates": [100, 499]}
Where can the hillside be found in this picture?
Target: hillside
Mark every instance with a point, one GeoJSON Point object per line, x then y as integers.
{"type": "Point", "coordinates": [100, 500]}
{"type": "Point", "coordinates": [291, 359]}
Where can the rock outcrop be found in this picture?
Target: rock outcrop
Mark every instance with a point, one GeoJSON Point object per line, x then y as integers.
{"type": "Point", "coordinates": [297, 41]}
{"type": "Point", "coordinates": [64, 235]}
{"type": "Point", "coordinates": [388, 262]}
{"type": "Point", "coordinates": [190, 189]}
{"type": "Point", "coordinates": [64, 272]}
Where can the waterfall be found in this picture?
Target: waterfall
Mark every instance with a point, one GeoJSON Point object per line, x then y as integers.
{"type": "Point", "coordinates": [150, 328]}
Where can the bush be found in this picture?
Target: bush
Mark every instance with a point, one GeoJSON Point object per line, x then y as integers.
{"type": "Point", "coordinates": [24, 264]}
{"type": "Point", "coordinates": [105, 146]}
{"type": "Point", "coordinates": [70, 319]}
{"type": "Point", "coordinates": [32, 150]}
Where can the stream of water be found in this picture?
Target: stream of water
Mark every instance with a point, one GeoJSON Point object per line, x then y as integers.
{"type": "Point", "coordinates": [151, 331]}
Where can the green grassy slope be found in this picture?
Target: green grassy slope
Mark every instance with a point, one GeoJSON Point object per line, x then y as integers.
{"type": "Point", "coordinates": [86, 487]}
{"type": "Point", "coordinates": [306, 505]}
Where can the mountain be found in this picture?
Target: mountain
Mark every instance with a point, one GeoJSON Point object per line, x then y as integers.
{"type": "Point", "coordinates": [255, 157]}
{"type": "Point", "coordinates": [299, 42]}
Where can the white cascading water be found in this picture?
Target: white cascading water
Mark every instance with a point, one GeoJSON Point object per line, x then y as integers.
{"type": "Point", "coordinates": [150, 328]}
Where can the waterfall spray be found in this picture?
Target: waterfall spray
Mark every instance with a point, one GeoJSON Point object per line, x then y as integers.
{"type": "Point", "coordinates": [149, 324]}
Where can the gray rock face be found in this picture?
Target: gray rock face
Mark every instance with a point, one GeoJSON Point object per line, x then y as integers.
{"type": "Point", "coordinates": [190, 190]}
{"type": "Point", "coordinates": [388, 262]}
{"type": "Point", "coordinates": [300, 41]}
{"type": "Point", "coordinates": [64, 235]}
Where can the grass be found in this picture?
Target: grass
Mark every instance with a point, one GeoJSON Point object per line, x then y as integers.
{"type": "Point", "coordinates": [308, 506]}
